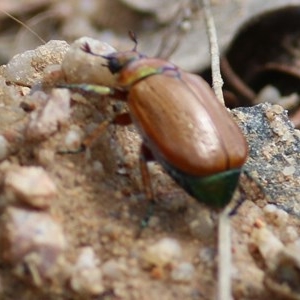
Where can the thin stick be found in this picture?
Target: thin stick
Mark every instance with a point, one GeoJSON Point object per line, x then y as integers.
{"type": "Point", "coordinates": [224, 236]}
{"type": "Point", "coordinates": [224, 256]}
{"type": "Point", "coordinates": [24, 25]}
{"type": "Point", "coordinates": [214, 50]}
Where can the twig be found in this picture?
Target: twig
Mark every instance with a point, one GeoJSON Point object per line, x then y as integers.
{"type": "Point", "coordinates": [214, 51]}
{"type": "Point", "coordinates": [224, 235]}
{"type": "Point", "coordinates": [224, 256]}
{"type": "Point", "coordinates": [24, 25]}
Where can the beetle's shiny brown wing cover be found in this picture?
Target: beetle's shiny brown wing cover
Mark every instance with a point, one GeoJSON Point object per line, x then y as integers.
{"type": "Point", "coordinates": [183, 123]}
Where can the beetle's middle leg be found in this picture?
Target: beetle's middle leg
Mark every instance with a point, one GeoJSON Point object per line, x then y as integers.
{"type": "Point", "coordinates": [243, 194]}
{"type": "Point", "coordinates": [117, 119]}
{"type": "Point", "coordinates": [145, 157]}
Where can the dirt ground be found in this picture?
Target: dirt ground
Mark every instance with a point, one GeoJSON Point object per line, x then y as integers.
{"type": "Point", "coordinates": [70, 225]}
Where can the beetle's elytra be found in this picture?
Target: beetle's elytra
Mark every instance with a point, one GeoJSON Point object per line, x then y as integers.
{"type": "Point", "coordinates": [183, 125]}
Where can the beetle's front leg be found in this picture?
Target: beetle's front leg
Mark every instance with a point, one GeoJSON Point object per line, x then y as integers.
{"type": "Point", "coordinates": [96, 89]}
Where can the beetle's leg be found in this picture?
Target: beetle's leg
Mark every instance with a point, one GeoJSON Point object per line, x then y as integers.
{"type": "Point", "coordinates": [242, 198]}
{"type": "Point", "coordinates": [89, 88]}
{"type": "Point", "coordinates": [239, 202]}
{"type": "Point", "coordinates": [96, 89]}
{"type": "Point", "coordinates": [145, 157]}
{"type": "Point", "coordinates": [118, 119]}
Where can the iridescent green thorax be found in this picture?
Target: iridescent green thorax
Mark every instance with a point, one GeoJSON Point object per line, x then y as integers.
{"type": "Point", "coordinates": [132, 67]}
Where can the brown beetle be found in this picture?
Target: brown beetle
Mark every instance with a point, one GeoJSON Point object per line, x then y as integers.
{"type": "Point", "coordinates": [183, 126]}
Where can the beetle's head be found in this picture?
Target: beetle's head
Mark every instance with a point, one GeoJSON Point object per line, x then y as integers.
{"type": "Point", "coordinates": [118, 60]}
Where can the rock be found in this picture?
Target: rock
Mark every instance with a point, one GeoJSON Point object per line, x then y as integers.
{"type": "Point", "coordinates": [282, 274]}
{"type": "Point", "coordinates": [31, 185]}
{"type": "Point", "coordinates": [32, 239]}
{"type": "Point", "coordinates": [48, 117]}
{"type": "Point", "coordinates": [27, 68]}
{"type": "Point", "coordinates": [81, 67]}
{"type": "Point", "coordinates": [86, 276]}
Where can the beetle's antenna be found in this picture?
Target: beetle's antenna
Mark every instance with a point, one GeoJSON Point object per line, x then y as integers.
{"type": "Point", "coordinates": [24, 25]}
{"type": "Point", "coordinates": [133, 37]}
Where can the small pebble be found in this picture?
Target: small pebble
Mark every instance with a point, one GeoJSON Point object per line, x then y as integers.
{"type": "Point", "coordinates": [3, 148]}
{"type": "Point", "coordinates": [288, 171]}
{"type": "Point", "coordinates": [153, 222]}
{"type": "Point", "coordinates": [268, 94]}
{"type": "Point", "coordinates": [164, 252]}
{"type": "Point", "coordinates": [73, 140]}
{"type": "Point", "coordinates": [45, 156]}
{"type": "Point", "coordinates": [277, 216]}
{"type": "Point", "coordinates": [200, 223]}
{"type": "Point", "coordinates": [206, 255]}
{"type": "Point", "coordinates": [111, 269]}
{"type": "Point", "coordinates": [31, 185]}
{"type": "Point", "coordinates": [268, 245]}
{"type": "Point", "coordinates": [98, 167]}
{"type": "Point", "coordinates": [47, 119]}
{"type": "Point", "coordinates": [289, 234]}
{"type": "Point", "coordinates": [86, 277]}
{"type": "Point", "coordinates": [183, 272]}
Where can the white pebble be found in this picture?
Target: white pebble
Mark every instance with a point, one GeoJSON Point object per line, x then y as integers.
{"type": "Point", "coordinates": [3, 147]}
{"type": "Point", "coordinates": [45, 156]}
{"type": "Point", "coordinates": [47, 119]}
{"type": "Point", "coordinates": [277, 216]}
{"type": "Point", "coordinates": [98, 167]}
{"type": "Point", "coordinates": [270, 209]}
{"type": "Point", "coordinates": [86, 276]}
{"type": "Point", "coordinates": [111, 269]}
{"type": "Point", "coordinates": [268, 94]}
{"type": "Point", "coordinates": [202, 228]}
{"type": "Point", "coordinates": [288, 171]}
{"type": "Point", "coordinates": [165, 251]}
{"type": "Point", "coordinates": [200, 223]}
{"type": "Point", "coordinates": [268, 245]}
{"type": "Point", "coordinates": [73, 140]}
{"type": "Point", "coordinates": [183, 272]}
{"type": "Point", "coordinates": [31, 185]}
{"type": "Point", "coordinates": [207, 255]}
{"type": "Point", "coordinates": [289, 234]}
